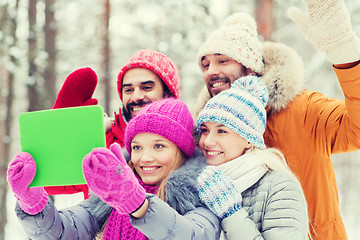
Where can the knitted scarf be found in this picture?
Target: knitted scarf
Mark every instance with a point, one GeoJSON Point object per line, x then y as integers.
{"type": "Point", "coordinates": [119, 226]}
{"type": "Point", "coordinates": [245, 170]}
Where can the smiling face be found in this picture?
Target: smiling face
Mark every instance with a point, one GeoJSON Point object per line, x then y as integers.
{"type": "Point", "coordinates": [140, 86]}
{"type": "Point", "coordinates": [220, 144]}
{"type": "Point", "coordinates": [154, 157]}
{"type": "Point", "coordinates": [220, 71]}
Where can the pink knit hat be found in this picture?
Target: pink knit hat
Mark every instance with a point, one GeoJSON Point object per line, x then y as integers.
{"type": "Point", "coordinates": [169, 118]}
{"type": "Point", "coordinates": [156, 62]}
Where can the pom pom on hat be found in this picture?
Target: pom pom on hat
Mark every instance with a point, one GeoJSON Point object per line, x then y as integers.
{"type": "Point", "coordinates": [237, 39]}
{"type": "Point", "coordinates": [242, 18]}
{"type": "Point", "coordinates": [254, 86]}
{"type": "Point", "coordinates": [157, 62]}
{"type": "Point", "coordinates": [240, 108]}
{"type": "Point", "coordinates": [169, 118]}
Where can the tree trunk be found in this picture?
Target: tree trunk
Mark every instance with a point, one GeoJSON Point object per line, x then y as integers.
{"type": "Point", "coordinates": [264, 18]}
{"type": "Point", "coordinates": [106, 51]}
{"type": "Point", "coordinates": [32, 83]}
{"type": "Point", "coordinates": [50, 48]}
{"type": "Point", "coordinates": [6, 100]}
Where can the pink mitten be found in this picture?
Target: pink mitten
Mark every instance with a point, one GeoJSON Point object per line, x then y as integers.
{"type": "Point", "coordinates": [21, 172]}
{"type": "Point", "coordinates": [77, 89]}
{"type": "Point", "coordinates": [109, 177]}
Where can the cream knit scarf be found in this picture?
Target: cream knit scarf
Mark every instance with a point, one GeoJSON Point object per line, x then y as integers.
{"type": "Point", "coordinates": [245, 170]}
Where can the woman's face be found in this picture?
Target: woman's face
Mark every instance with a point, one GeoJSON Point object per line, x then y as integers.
{"type": "Point", "coordinates": [153, 157]}
{"type": "Point", "coordinates": [220, 144]}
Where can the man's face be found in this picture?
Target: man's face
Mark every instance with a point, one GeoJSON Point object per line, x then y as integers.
{"type": "Point", "coordinates": [220, 71]}
{"type": "Point", "coordinates": [140, 87]}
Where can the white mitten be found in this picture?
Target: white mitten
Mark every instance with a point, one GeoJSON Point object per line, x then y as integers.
{"type": "Point", "coordinates": [327, 25]}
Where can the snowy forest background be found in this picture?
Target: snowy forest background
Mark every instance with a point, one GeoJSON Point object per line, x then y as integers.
{"type": "Point", "coordinates": [43, 41]}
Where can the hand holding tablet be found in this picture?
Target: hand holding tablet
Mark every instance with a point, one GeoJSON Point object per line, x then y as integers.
{"type": "Point", "coordinates": [58, 140]}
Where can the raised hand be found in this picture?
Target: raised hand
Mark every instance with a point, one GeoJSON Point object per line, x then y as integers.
{"type": "Point", "coordinates": [109, 177]}
{"type": "Point", "coordinates": [327, 25]}
{"type": "Point", "coordinates": [77, 89]}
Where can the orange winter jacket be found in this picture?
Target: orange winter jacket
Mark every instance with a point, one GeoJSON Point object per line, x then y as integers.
{"type": "Point", "coordinates": [308, 128]}
{"type": "Point", "coordinates": [308, 131]}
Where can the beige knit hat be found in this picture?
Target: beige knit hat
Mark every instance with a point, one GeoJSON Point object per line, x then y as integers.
{"type": "Point", "coordinates": [237, 39]}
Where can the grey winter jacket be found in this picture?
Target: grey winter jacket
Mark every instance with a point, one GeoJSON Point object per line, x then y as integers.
{"type": "Point", "coordinates": [84, 220]}
{"type": "Point", "coordinates": [273, 209]}
{"type": "Point", "coordinates": [163, 222]}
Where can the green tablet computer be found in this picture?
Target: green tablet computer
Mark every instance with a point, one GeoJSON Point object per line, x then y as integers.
{"type": "Point", "coordinates": [58, 140]}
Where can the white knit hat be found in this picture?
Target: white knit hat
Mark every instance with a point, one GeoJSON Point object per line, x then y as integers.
{"type": "Point", "coordinates": [237, 39]}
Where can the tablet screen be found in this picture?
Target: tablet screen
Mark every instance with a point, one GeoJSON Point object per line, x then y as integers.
{"type": "Point", "coordinates": [58, 140]}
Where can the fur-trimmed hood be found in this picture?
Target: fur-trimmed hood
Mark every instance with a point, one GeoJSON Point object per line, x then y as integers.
{"type": "Point", "coordinates": [181, 190]}
{"type": "Point", "coordinates": [283, 76]}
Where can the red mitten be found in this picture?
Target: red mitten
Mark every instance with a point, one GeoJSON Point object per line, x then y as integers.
{"type": "Point", "coordinates": [77, 89]}
{"type": "Point", "coordinates": [70, 189]}
{"type": "Point", "coordinates": [117, 131]}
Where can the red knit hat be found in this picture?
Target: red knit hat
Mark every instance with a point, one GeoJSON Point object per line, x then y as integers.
{"type": "Point", "coordinates": [156, 62]}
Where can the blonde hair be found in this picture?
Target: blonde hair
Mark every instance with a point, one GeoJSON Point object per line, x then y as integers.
{"type": "Point", "coordinates": [179, 161]}
{"type": "Point", "coordinates": [275, 161]}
